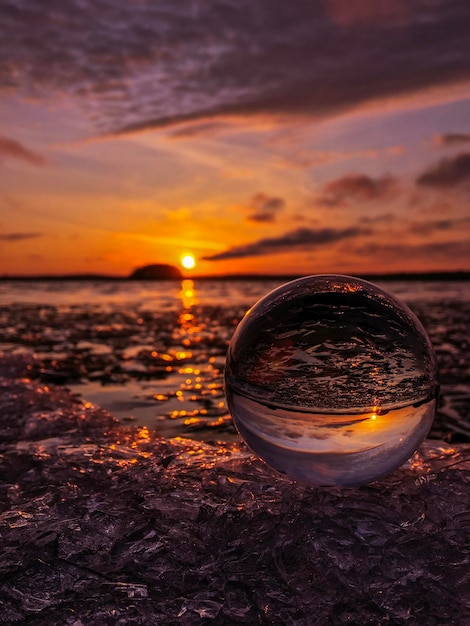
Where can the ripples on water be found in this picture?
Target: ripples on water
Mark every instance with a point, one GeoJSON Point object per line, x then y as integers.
{"type": "Point", "coordinates": [153, 353]}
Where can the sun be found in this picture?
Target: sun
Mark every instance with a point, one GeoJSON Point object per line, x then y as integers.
{"type": "Point", "coordinates": [188, 261]}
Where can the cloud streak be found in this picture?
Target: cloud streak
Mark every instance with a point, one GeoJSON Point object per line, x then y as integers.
{"type": "Point", "coordinates": [138, 65]}
{"type": "Point", "coordinates": [9, 148]}
{"type": "Point", "coordinates": [447, 173]}
{"type": "Point", "coordinates": [15, 237]}
{"type": "Point", "coordinates": [438, 226]}
{"type": "Point", "coordinates": [302, 238]}
{"type": "Point", "coordinates": [441, 252]}
{"type": "Point", "coordinates": [452, 139]}
{"type": "Point", "coordinates": [357, 188]}
{"type": "Point", "coordinates": [264, 209]}
{"type": "Point", "coordinates": [203, 129]}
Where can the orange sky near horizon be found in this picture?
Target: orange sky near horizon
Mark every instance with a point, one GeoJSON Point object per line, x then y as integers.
{"type": "Point", "coordinates": [334, 139]}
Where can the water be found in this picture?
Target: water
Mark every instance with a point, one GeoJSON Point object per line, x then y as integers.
{"type": "Point", "coordinates": [153, 354]}
{"type": "Point", "coordinates": [332, 380]}
{"type": "Point", "coordinates": [136, 295]}
{"type": "Point", "coordinates": [166, 295]}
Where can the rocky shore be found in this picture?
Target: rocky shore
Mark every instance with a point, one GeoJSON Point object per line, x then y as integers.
{"type": "Point", "coordinates": [103, 524]}
{"type": "Point", "coordinates": [117, 522]}
{"type": "Point", "coordinates": [167, 365]}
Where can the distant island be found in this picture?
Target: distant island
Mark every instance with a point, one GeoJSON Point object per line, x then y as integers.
{"type": "Point", "coordinates": [162, 271]}
{"type": "Point", "coordinates": [156, 271]}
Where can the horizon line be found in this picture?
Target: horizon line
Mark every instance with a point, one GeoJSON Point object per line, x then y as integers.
{"type": "Point", "coordinates": [459, 274]}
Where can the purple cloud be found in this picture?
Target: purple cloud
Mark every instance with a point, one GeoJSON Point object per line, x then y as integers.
{"type": "Point", "coordinates": [356, 187]}
{"type": "Point", "coordinates": [265, 208]}
{"type": "Point", "coordinates": [302, 238]}
{"type": "Point", "coordinates": [441, 252]}
{"type": "Point", "coordinates": [138, 65]}
{"type": "Point", "coordinates": [447, 173]}
{"type": "Point", "coordinates": [15, 150]}
{"type": "Point", "coordinates": [452, 139]}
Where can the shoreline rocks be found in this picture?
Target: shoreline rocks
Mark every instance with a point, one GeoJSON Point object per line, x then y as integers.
{"type": "Point", "coordinates": [102, 524]}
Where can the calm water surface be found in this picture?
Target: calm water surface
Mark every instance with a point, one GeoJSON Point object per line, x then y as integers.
{"type": "Point", "coordinates": [171, 294]}
{"type": "Point", "coordinates": [153, 354]}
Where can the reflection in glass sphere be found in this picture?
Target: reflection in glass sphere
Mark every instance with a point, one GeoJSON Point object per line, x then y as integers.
{"type": "Point", "coordinates": [331, 380]}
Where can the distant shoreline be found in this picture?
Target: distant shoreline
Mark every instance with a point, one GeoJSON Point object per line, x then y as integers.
{"type": "Point", "coordinates": [461, 275]}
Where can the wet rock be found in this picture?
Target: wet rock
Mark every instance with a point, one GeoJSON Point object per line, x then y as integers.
{"type": "Point", "coordinates": [102, 524]}
{"type": "Point", "coordinates": [84, 343]}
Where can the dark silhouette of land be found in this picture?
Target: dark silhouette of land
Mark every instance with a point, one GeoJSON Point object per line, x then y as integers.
{"type": "Point", "coordinates": [161, 271]}
{"type": "Point", "coordinates": [156, 271]}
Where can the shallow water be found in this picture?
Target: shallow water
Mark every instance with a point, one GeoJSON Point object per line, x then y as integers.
{"type": "Point", "coordinates": [153, 354]}
{"type": "Point", "coordinates": [135, 295]}
{"type": "Point", "coordinates": [148, 295]}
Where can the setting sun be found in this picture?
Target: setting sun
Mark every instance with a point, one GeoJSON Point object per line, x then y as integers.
{"type": "Point", "coordinates": [188, 262]}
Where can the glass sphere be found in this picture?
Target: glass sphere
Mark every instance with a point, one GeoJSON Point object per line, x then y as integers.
{"type": "Point", "coordinates": [331, 380]}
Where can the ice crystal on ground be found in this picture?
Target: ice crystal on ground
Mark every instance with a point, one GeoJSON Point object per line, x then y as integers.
{"type": "Point", "coordinates": [102, 524]}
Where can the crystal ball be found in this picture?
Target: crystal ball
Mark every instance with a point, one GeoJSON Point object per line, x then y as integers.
{"type": "Point", "coordinates": [331, 380]}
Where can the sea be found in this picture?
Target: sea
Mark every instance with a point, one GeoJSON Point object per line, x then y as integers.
{"type": "Point", "coordinates": [171, 294]}
{"type": "Point", "coordinates": [153, 353]}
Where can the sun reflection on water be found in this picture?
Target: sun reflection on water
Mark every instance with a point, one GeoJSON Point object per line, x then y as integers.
{"type": "Point", "coordinates": [188, 294]}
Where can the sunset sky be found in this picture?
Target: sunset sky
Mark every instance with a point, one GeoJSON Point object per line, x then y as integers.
{"type": "Point", "coordinates": [259, 136]}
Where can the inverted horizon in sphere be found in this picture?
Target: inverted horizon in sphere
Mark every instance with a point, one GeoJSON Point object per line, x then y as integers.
{"type": "Point", "coordinates": [331, 365]}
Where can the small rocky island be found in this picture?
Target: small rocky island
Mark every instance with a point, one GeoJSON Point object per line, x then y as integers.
{"type": "Point", "coordinates": [156, 271]}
